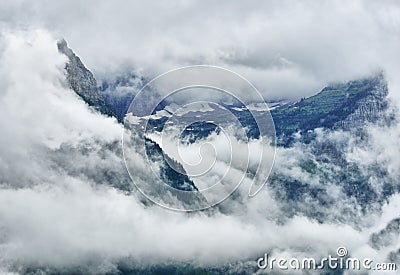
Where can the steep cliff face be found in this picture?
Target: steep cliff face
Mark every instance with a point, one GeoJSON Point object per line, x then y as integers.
{"type": "Point", "coordinates": [370, 107]}
{"type": "Point", "coordinates": [341, 106]}
{"type": "Point", "coordinates": [170, 176]}
{"type": "Point", "coordinates": [82, 81]}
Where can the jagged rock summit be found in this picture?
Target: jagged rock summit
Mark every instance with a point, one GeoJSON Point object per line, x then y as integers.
{"type": "Point", "coordinates": [82, 81]}
{"type": "Point", "coordinates": [344, 105]}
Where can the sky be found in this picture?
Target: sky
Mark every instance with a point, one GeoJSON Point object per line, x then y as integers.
{"type": "Point", "coordinates": [57, 207]}
{"type": "Point", "coordinates": [287, 49]}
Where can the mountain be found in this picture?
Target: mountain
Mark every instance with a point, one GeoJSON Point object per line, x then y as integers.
{"type": "Point", "coordinates": [347, 106]}
{"type": "Point", "coordinates": [82, 81]}
{"type": "Point", "coordinates": [341, 106]}
{"type": "Point", "coordinates": [173, 178]}
{"type": "Point", "coordinates": [320, 183]}
{"type": "Point", "coordinates": [119, 91]}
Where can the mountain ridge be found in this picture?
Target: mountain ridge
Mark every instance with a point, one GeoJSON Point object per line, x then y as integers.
{"type": "Point", "coordinates": [82, 81]}
{"type": "Point", "coordinates": [345, 106]}
{"type": "Point", "coordinates": [339, 106]}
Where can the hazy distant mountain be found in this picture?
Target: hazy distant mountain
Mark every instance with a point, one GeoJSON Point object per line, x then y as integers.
{"type": "Point", "coordinates": [120, 90]}
{"type": "Point", "coordinates": [343, 105]}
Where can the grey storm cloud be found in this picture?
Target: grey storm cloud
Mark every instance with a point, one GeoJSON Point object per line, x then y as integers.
{"type": "Point", "coordinates": [286, 49]}
{"type": "Point", "coordinates": [52, 217]}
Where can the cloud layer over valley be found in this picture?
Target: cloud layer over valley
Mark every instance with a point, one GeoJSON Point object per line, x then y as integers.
{"type": "Point", "coordinates": [66, 199]}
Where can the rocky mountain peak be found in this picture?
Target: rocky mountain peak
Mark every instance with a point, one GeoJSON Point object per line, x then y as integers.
{"type": "Point", "coordinates": [63, 48]}
{"type": "Point", "coordinates": [82, 81]}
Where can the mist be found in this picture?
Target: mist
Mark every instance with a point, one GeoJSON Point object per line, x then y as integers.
{"type": "Point", "coordinates": [288, 50]}
{"type": "Point", "coordinates": [60, 212]}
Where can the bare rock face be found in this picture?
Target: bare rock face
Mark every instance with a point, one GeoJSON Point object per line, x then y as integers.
{"type": "Point", "coordinates": [82, 81]}
{"type": "Point", "coordinates": [370, 107]}
{"type": "Point", "coordinates": [344, 106]}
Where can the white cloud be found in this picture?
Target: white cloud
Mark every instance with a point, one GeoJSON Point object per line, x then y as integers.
{"type": "Point", "coordinates": [287, 49]}
{"type": "Point", "coordinates": [66, 220]}
{"type": "Point", "coordinates": [38, 112]}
